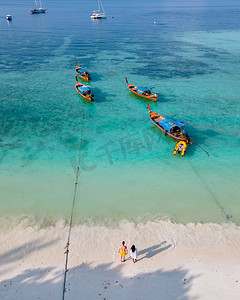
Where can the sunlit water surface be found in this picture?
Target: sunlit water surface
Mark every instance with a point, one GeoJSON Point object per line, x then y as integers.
{"type": "Point", "coordinates": [189, 52]}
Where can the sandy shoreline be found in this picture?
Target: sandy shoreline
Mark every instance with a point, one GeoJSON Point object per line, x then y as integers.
{"type": "Point", "coordinates": [176, 261]}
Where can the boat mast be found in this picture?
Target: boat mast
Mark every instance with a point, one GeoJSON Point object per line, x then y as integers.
{"type": "Point", "coordinates": [99, 1]}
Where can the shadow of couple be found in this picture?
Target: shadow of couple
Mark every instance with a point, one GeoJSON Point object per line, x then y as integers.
{"type": "Point", "coordinates": [153, 250]}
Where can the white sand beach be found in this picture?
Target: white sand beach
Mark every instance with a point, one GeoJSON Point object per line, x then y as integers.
{"type": "Point", "coordinates": [175, 261]}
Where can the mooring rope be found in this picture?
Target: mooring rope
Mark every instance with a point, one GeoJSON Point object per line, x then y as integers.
{"type": "Point", "coordinates": [224, 214]}
{"type": "Point", "coordinates": [73, 204]}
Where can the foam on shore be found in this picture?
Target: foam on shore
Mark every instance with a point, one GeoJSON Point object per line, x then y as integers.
{"type": "Point", "coordinates": [32, 237]}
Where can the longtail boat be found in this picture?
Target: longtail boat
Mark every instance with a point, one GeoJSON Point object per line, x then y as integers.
{"type": "Point", "coordinates": [144, 92]}
{"type": "Point", "coordinates": [82, 73]}
{"type": "Point", "coordinates": [84, 90]}
{"type": "Point", "coordinates": [172, 128]}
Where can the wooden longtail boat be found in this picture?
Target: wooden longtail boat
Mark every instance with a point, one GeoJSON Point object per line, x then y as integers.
{"type": "Point", "coordinates": [144, 92]}
{"type": "Point", "coordinates": [84, 90]}
{"type": "Point", "coordinates": [82, 73]}
{"type": "Point", "coordinates": [172, 128]}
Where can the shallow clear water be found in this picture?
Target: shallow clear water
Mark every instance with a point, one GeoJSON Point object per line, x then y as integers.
{"type": "Point", "coordinates": [188, 52]}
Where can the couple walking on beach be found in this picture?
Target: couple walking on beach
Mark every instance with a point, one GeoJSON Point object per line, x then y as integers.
{"type": "Point", "coordinates": [124, 251]}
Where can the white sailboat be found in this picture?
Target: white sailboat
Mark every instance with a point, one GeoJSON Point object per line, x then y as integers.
{"type": "Point", "coordinates": [100, 13]}
{"type": "Point", "coordinates": [39, 8]}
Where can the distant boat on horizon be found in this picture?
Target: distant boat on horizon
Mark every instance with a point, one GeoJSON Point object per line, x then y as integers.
{"type": "Point", "coordinates": [9, 17]}
{"type": "Point", "coordinates": [100, 13]}
{"type": "Point", "coordinates": [39, 8]}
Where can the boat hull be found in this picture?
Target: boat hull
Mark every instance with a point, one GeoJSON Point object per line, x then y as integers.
{"type": "Point", "coordinates": [97, 17]}
{"type": "Point", "coordinates": [41, 11]}
{"type": "Point", "coordinates": [84, 78]}
{"type": "Point", "coordinates": [143, 96]}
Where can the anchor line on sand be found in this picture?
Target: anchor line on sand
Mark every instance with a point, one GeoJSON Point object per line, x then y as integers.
{"type": "Point", "coordinates": [73, 204]}
{"type": "Point", "coordinates": [225, 215]}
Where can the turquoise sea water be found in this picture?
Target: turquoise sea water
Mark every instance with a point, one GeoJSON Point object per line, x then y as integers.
{"type": "Point", "coordinates": [189, 52]}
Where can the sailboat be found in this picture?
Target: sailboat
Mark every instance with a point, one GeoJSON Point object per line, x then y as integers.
{"type": "Point", "coordinates": [100, 13]}
{"type": "Point", "coordinates": [39, 8]}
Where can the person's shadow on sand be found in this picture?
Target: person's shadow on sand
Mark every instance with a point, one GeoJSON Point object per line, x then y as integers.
{"type": "Point", "coordinates": [152, 251]}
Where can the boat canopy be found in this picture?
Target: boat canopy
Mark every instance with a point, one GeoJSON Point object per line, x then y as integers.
{"type": "Point", "coordinates": [142, 89]}
{"type": "Point", "coordinates": [181, 123]}
{"type": "Point", "coordinates": [168, 124]}
{"type": "Point", "coordinates": [80, 71]}
{"type": "Point", "coordinates": [84, 88]}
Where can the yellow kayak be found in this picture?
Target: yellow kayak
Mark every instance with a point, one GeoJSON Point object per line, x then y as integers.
{"type": "Point", "coordinates": [181, 147]}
